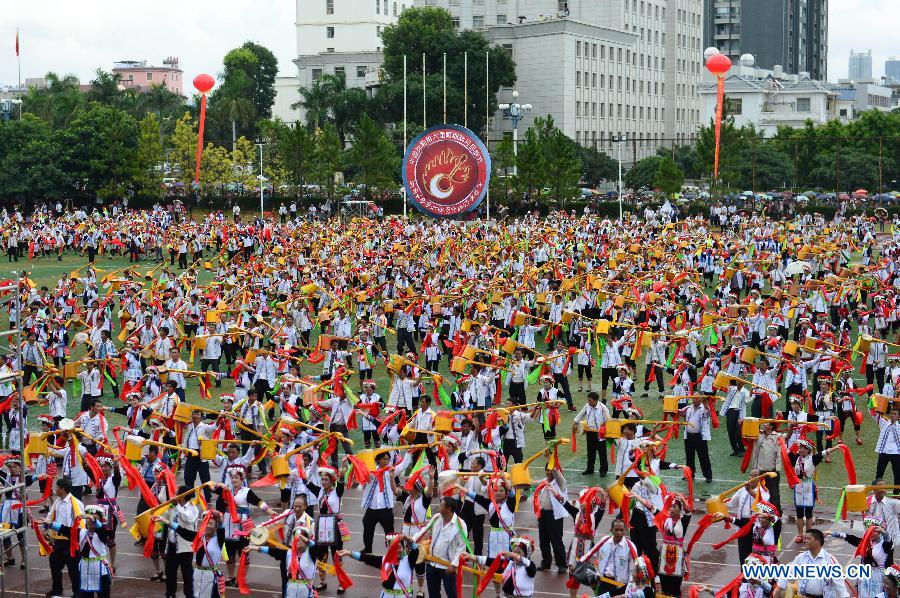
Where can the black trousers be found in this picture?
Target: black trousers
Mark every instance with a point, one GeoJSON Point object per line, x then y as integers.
{"type": "Point", "coordinates": [194, 466]}
{"type": "Point", "coordinates": [477, 531]}
{"type": "Point", "coordinates": [174, 562]}
{"type": "Point", "coordinates": [435, 578]}
{"type": "Point", "coordinates": [745, 542]}
{"type": "Point", "coordinates": [881, 467]}
{"type": "Point", "coordinates": [373, 517]}
{"type": "Point", "coordinates": [596, 448]}
{"type": "Point", "coordinates": [563, 384]}
{"type": "Point", "coordinates": [517, 393]}
{"type": "Point", "coordinates": [874, 374]}
{"type": "Point", "coordinates": [512, 452]}
{"type": "Point", "coordinates": [644, 537]}
{"type": "Point", "coordinates": [211, 364]}
{"type": "Point", "coordinates": [734, 430]}
{"type": "Point", "coordinates": [659, 378]}
{"type": "Point", "coordinates": [405, 339]}
{"type": "Point", "coordinates": [670, 584]}
{"type": "Point", "coordinates": [550, 533]}
{"type": "Point", "coordinates": [695, 446]}
{"type": "Point", "coordinates": [60, 559]}
{"type": "Point", "coordinates": [29, 372]}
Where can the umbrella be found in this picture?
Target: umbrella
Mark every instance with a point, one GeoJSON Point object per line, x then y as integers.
{"type": "Point", "coordinates": [809, 194]}
{"type": "Point", "coordinates": [747, 193]}
{"type": "Point", "coordinates": [860, 192]}
{"type": "Point", "coordinates": [798, 267]}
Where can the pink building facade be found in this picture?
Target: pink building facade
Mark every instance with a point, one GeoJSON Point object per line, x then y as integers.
{"type": "Point", "coordinates": [137, 74]}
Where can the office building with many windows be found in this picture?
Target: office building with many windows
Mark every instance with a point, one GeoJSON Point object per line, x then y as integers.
{"type": "Point", "coordinates": [789, 33]}
{"type": "Point", "coordinates": [336, 37]}
{"type": "Point", "coordinates": [600, 69]}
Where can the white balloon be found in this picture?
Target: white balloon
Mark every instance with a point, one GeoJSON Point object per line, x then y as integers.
{"type": "Point", "coordinates": [710, 51]}
{"type": "Point", "coordinates": [434, 188]}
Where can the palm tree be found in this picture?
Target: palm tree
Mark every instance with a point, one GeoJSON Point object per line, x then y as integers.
{"type": "Point", "coordinates": [239, 111]}
{"type": "Point", "coordinates": [58, 102]}
{"type": "Point", "coordinates": [316, 101]}
{"type": "Point", "coordinates": [105, 88]}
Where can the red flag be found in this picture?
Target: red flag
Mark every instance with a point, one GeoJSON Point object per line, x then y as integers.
{"type": "Point", "coordinates": [17, 42]}
{"type": "Point", "coordinates": [789, 472]}
{"type": "Point", "coordinates": [242, 575]}
{"type": "Point", "coordinates": [344, 580]}
{"type": "Point", "coordinates": [488, 577]}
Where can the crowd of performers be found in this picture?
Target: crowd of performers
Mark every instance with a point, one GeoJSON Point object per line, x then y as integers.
{"type": "Point", "coordinates": [252, 377]}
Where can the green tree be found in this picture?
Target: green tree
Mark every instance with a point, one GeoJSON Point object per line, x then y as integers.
{"type": "Point", "coordinates": [561, 161]}
{"type": "Point", "coordinates": [254, 67]}
{"type": "Point", "coordinates": [183, 144]}
{"type": "Point", "coordinates": [597, 166]}
{"type": "Point", "coordinates": [148, 175]}
{"type": "Point", "coordinates": [643, 174]}
{"type": "Point", "coordinates": [316, 100]}
{"type": "Point", "coordinates": [733, 141]}
{"type": "Point", "coordinates": [372, 156]}
{"type": "Point", "coordinates": [669, 177]}
{"type": "Point", "coordinates": [430, 31]}
{"type": "Point", "coordinates": [531, 163]}
{"type": "Point", "coordinates": [846, 169]}
{"type": "Point", "coordinates": [295, 147]}
{"type": "Point", "coordinates": [764, 166]}
{"type": "Point", "coordinates": [327, 158]}
{"type": "Point", "coordinates": [105, 88]}
{"type": "Point", "coordinates": [685, 157]}
{"type": "Point", "coordinates": [101, 150]}
{"type": "Point", "coordinates": [31, 158]}
{"type": "Point", "coordinates": [263, 78]}
{"type": "Point", "coordinates": [502, 160]}
{"type": "Point", "coordinates": [329, 99]}
{"type": "Point", "coordinates": [58, 102]}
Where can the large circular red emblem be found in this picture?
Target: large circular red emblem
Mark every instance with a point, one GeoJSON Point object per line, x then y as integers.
{"type": "Point", "coordinates": [446, 171]}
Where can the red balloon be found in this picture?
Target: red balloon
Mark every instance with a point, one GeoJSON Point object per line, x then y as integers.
{"type": "Point", "coordinates": [718, 64]}
{"type": "Point", "coordinates": [204, 82]}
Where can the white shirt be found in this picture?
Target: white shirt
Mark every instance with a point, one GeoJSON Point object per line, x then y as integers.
{"type": "Point", "coordinates": [888, 437]}
{"type": "Point", "coordinates": [178, 377]}
{"type": "Point", "coordinates": [447, 539]}
{"type": "Point", "coordinates": [829, 588]}
{"type": "Point", "coordinates": [615, 561]}
{"type": "Point", "coordinates": [697, 418]}
{"type": "Point", "coordinates": [593, 417]}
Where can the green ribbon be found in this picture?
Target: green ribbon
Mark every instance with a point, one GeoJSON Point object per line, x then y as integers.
{"type": "Point", "coordinates": [840, 506]}
{"type": "Point", "coordinates": [444, 398]}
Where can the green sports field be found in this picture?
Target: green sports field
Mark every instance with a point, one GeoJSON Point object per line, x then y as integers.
{"type": "Point", "coordinates": [726, 469]}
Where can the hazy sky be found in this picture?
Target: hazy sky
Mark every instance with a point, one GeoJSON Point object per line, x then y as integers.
{"type": "Point", "coordinates": [79, 37]}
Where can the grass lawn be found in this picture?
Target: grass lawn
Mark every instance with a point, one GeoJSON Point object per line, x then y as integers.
{"type": "Point", "coordinates": [726, 469]}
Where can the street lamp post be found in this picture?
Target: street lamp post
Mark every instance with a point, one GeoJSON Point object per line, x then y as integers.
{"type": "Point", "coordinates": [516, 112]}
{"type": "Point", "coordinates": [262, 180]}
{"type": "Point", "coordinates": [619, 140]}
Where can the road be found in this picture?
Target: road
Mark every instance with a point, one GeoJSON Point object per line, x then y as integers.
{"type": "Point", "coordinates": [708, 566]}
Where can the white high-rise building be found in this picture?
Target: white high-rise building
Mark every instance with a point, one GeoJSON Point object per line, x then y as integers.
{"type": "Point", "coordinates": [336, 36]}
{"type": "Point", "coordinates": [859, 67]}
{"type": "Point", "coordinates": [602, 68]}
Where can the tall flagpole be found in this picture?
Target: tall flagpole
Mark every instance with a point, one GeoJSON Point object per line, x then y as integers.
{"type": "Point", "coordinates": [424, 126]}
{"type": "Point", "coordinates": [404, 127]}
{"type": "Point", "coordinates": [487, 118]}
{"type": "Point", "coordinates": [445, 87]}
{"type": "Point", "coordinates": [19, 63]}
{"type": "Point", "coordinates": [466, 89]}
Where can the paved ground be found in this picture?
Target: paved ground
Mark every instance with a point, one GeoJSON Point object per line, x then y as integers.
{"type": "Point", "coordinates": [708, 566]}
